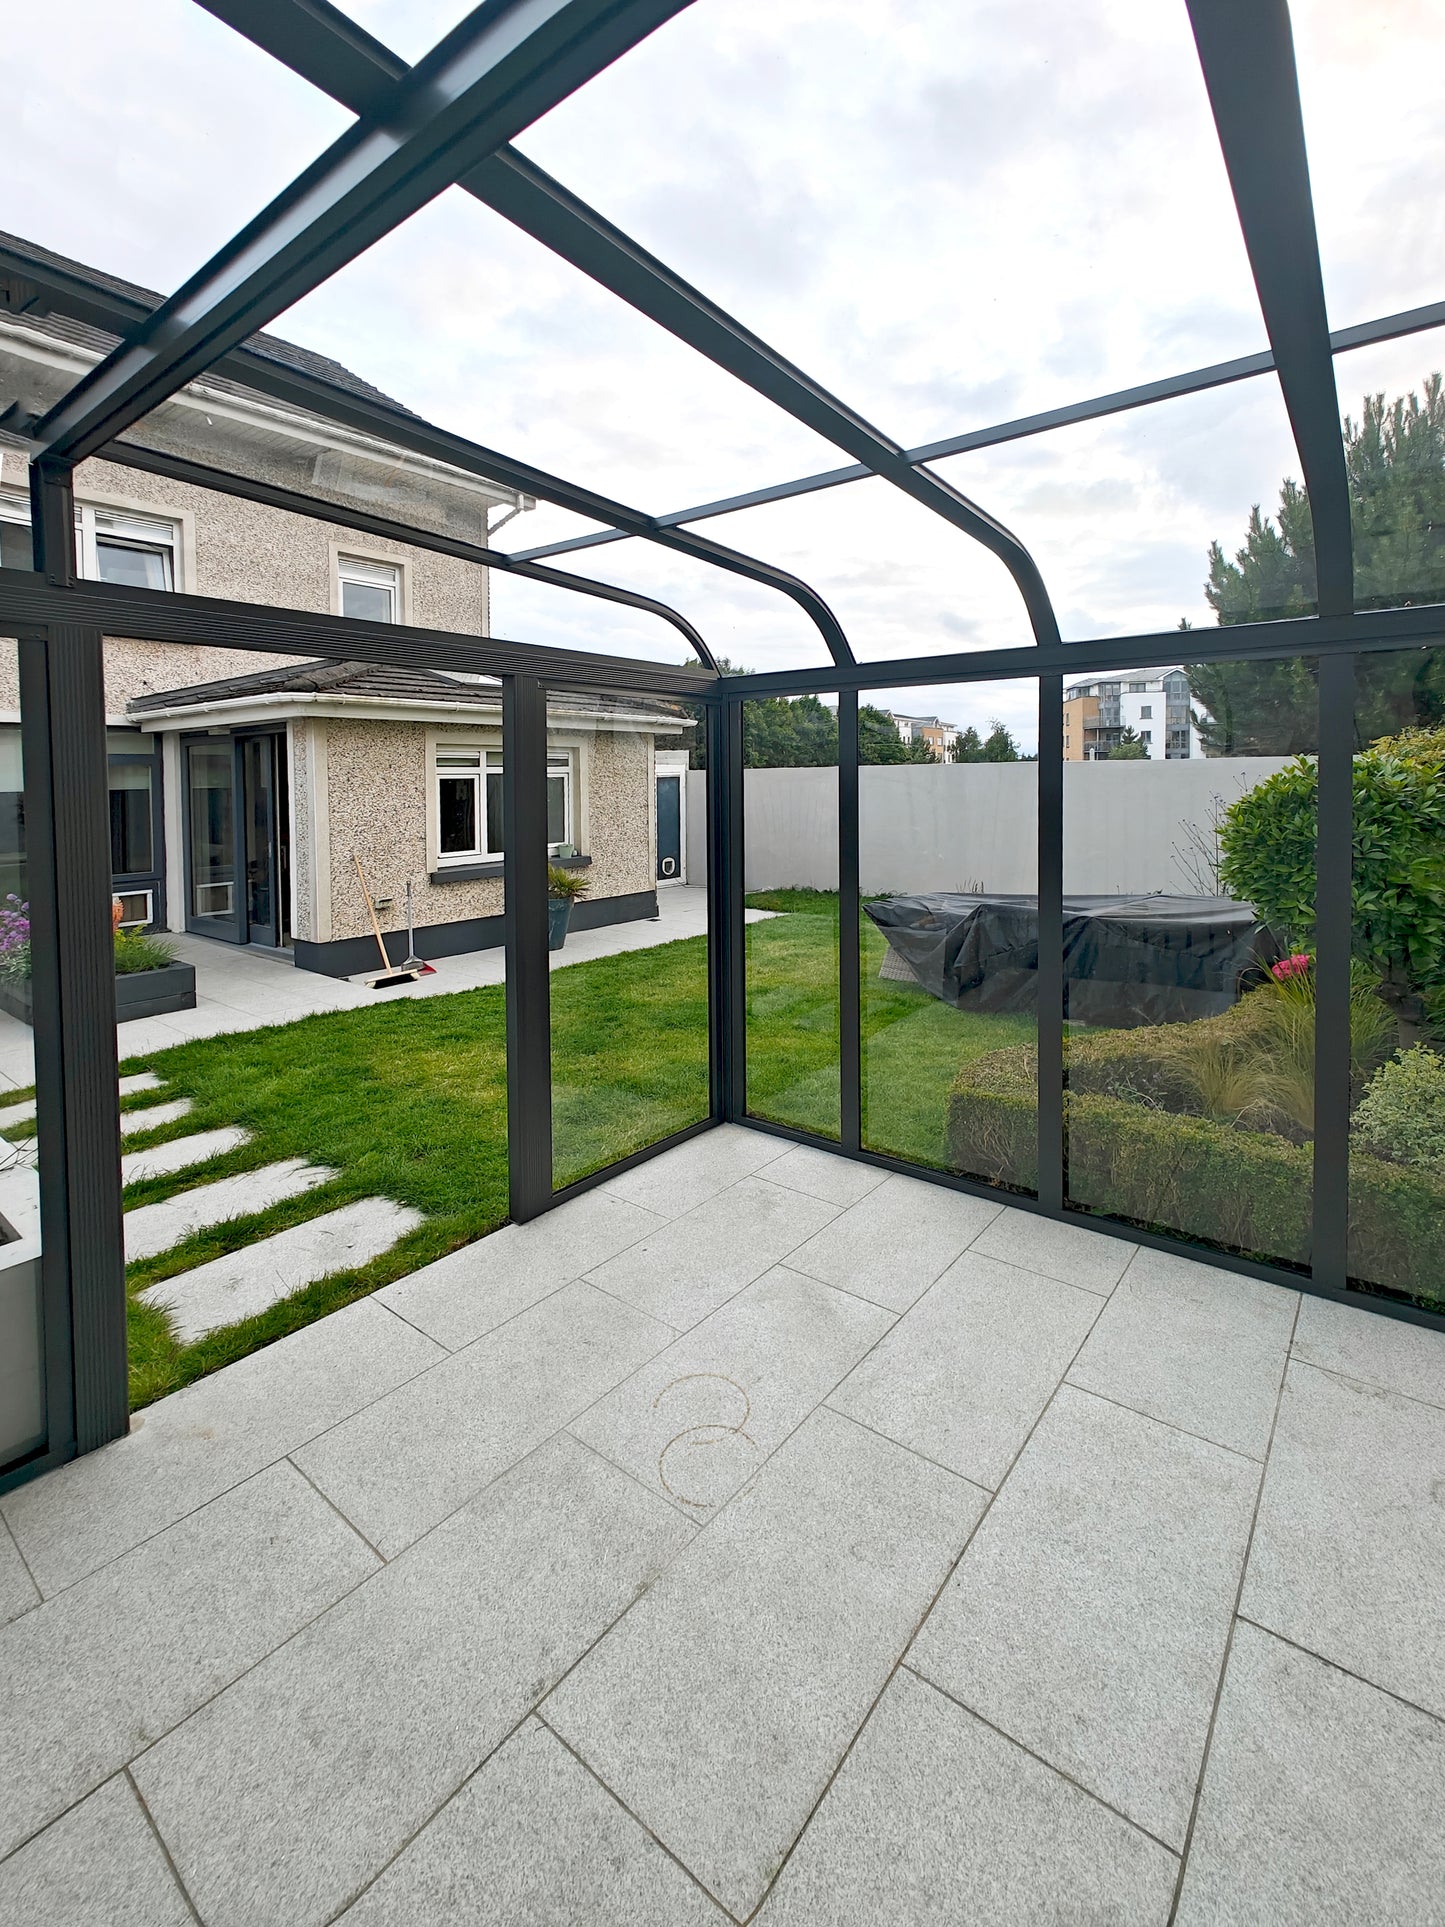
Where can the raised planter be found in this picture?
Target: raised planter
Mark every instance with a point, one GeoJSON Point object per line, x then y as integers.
{"type": "Point", "coordinates": [138, 993]}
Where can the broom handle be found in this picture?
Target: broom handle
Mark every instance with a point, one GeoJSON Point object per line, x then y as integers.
{"type": "Point", "coordinates": [371, 911]}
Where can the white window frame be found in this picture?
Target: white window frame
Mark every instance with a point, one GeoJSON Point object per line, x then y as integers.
{"type": "Point", "coordinates": [561, 762]}
{"type": "Point", "coordinates": [126, 527]}
{"type": "Point", "coordinates": [370, 571]}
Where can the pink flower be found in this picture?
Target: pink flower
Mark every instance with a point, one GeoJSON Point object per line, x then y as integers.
{"type": "Point", "coordinates": [1297, 965]}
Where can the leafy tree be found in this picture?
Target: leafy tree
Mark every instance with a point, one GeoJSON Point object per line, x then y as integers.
{"type": "Point", "coordinates": [880, 742]}
{"type": "Point", "coordinates": [1130, 748]}
{"type": "Point", "coordinates": [1395, 462]}
{"type": "Point", "coordinates": [997, 747]}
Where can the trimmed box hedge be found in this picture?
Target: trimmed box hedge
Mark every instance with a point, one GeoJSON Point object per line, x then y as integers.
{"type": "Point", "coordinates": [1135, 1151]}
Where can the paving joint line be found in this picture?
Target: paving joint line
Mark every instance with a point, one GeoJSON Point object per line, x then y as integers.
{"type": "Point", "coordinates": [1197, 1801]}
{"type": "Point", "coordinates": [1361, 1679]}
{"type": "Point", "coordinates": [1168, 1424]}
{"type": "Point", "coordinates": [1052, 1766]}
{"type": "Point", "coordinates": [327, 1500]}
{"type": "Point", "coordinates": [1369, 1384]}
{"type": "Point", "coordinates": [141, 1801]}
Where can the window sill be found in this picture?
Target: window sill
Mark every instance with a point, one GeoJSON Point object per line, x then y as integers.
{"type": "Point", "coordinates": [494, 867]}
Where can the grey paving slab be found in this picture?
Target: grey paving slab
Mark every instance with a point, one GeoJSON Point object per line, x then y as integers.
{"type": "Point", "coordinates": [936, 1820]}
{"type": "Point", "coordinates": [139, 1081]}
{"type": "Point", "coordinates": [184, 1450]}
{"type": "Point", "coordinates": [895, 1242]}
{"type": "Point", "coordinates": [153, 1116]}
{"type": "Point", "coordinates": [719, 1707]}
{"type": "Point", "coordinates": [532, 1837]}
{"type": "Point", "coordinates": [472, 1291]}
{"type": "Point", "coordinates": [698, 1420]}
{"type": "Point", "coordinates": [688, 1268]}
{"type": "Point", "coordinates": [415, 1455]}
{"type": "Point", "coordinates": [284, 1796]}
{"type": "Point", "coordinates": [151, 1228]}
{"type": "Point", "coordinates": [1200, 1348]}
{"type": "Point", "coordinates": [13, 1114]}
{"type": "Point", "coordinates": [90, 1678]}
{"type": "Point", "coordinates": [180, 1153]}
{"type": "Point", "coordinates": [687, 1176]}
{"type": "Point", "coordinates": [1349, 1549]}
{"type": "Point", "coordinates": [1376, 1350]}
{"type": "Point", "coordinates": [18, 1592]}
{"type": "Point", "coordinates": [1089, 1616]}
{"type": "Point", "coordinates": [1071, 1253]}
{"type": "Point", "coordinates": [99, 1865]}
{"type": "Point", "coordinates": [964, 1376]}
{"type": "Point", "coordinates": [1320, 1805]}
{"type": "Point", "coordinates": [243, 1283]}
{"type": "Point", "coordinates": [836, 1180]}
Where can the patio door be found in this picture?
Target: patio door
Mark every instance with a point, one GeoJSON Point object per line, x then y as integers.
{"type": "Point", "coordinates": [238, 882]}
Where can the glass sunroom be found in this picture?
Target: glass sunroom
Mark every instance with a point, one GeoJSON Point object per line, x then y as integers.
{"type": "Point", "coordinates": [944, 927]}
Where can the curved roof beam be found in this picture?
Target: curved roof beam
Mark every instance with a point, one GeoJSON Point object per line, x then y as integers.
{"type": "Point", "coordinates": [334, 54]}
{"type": "Point", "coordinates": [89, 298]}
{"type": "Point", "coordinates": [224, 482]}
{"type": "Point", "coordinates": [1247, 52]}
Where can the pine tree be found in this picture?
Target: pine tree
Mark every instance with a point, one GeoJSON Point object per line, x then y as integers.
{"type": "Point", "coordinates": [1395, 461]}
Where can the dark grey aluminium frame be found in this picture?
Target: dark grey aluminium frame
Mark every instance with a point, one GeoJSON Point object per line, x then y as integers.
{"type": "Point", "coordinates": [448, 121]}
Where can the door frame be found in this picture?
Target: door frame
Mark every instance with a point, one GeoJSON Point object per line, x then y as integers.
{"type": "Point", "coordinates": [236, 928]}
{"type": "Point", "coordinates": [671, 762]}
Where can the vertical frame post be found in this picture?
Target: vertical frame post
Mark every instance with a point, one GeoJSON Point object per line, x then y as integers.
{"type": "Point", "coordinates": [850, 1016]}
{"type": "Point", "coordinates": [1334, 918]}
{"type": "Point", "coordinates": [529, 990]}
{"type": "Point", "coordinates": [62, 707]}
{"type": "Point", "coordinates": [1050, 972]}
{"type": "Point", "coordinates": [727, 955]}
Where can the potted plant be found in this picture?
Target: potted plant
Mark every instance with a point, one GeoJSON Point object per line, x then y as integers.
{"type": "Point", "coordinates": [148, 978]}
{"type": "Point", "coordinates": [563, 889]}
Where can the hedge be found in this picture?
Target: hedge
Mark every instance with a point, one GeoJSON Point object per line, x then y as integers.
{"type": "Point", "coordinates": [1138, 1157]}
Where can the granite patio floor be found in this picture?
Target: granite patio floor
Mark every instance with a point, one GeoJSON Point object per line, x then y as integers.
{"type": "Point", "coordinates": [757, 1536]}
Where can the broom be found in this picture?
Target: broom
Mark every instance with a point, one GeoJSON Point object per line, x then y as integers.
{"type": "Point", "coordinates": [390, 973]}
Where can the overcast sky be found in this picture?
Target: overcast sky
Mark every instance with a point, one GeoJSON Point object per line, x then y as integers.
{"type": "Point", "coordinates": [950, 213]}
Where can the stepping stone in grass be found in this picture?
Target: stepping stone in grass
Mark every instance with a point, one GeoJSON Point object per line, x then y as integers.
{"type": "Point", "coordinates": [247, 1282]}
{"type": "Point", "coordinates": [160, 1160]}
{"type": "Point", "coordinates": [156, 1227]}
{"type": "Point", "coordinates": [152, 1118]}
{"type": "Point", "coordinates": [24, 1113]}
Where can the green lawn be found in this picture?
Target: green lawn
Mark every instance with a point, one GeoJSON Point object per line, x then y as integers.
{"type": "Point", "coordinates": [408, 1100]}
{"type": "Point", "coordinates": [912, 1044]}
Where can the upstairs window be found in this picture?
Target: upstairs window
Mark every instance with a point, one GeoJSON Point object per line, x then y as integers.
{"type": "Point", "coordinates": [370, 591]}
{"type": "Point", "coordinates": [111, 545]}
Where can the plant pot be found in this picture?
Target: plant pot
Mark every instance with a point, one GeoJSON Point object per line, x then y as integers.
{"type": "Point", "coordinates": [559, 916]}
{"type": "Point", "coordinates": [138, 993]}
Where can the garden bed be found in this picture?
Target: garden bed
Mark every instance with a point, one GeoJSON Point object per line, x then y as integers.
{"type": "Point", "coordinates": [138, 993]}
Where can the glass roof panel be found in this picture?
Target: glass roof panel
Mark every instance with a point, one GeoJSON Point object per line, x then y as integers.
{"type": "Point", "coordinates": [946, 215]}
{"type": "Point", "coordinates": [142, 138]}
{"type": "Point", "coordinates": [1370, 94]}
{"type": "Point", "coordinates": [1119, 514]}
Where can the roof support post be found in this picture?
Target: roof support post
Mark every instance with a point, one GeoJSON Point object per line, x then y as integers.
{"type": "Point", "coordinates": [62, 707]}
{"type": "Point", "coordinates": [1334, 917]}
{"type": "Point", "coordinates": [1049, 974]}
{"type": "Point", "coordinates": [529, 990]}
{"type": "Point", "coordinates": [727, 937]}
{"type": "Point", "coordinates": [1247, 53]}
{"type": "Point", "coordinates": [850, 1014]}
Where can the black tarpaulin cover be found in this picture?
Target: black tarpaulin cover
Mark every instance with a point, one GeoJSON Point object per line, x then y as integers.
{"type": "Point", "coordinates": [1127, 960]}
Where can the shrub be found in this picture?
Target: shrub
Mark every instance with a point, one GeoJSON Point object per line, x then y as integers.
{"type": "Point", "coordinates": [1139, 1149]}
{"type": "Point", "coordinates": [15, 940]}
{"type": "Point", "coordinates": [566, 884]}
{"type": "Point", "coordinates": [1401, 1116]}
{"type": "Point", "coordinates": [1267, 846]}
{"type": "Point", "coordinates": [134, 950]}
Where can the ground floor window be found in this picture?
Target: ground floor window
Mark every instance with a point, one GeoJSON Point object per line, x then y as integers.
{"type": "Point", "coordinates": [469, 803]}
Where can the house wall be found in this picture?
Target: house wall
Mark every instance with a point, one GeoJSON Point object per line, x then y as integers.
{"type": "Point", "coordinates": [246, 552]}
{"type": "Point", "coordinates": [378, 785]}
{"type": "Point", "coordinates": [1128, 827]}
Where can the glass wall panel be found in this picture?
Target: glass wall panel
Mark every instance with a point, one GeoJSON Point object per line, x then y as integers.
{"type": "Point", "coordinates": [790, 874]}
{"type": "Point", "coordinates": [948, 869]}
{"type": "Point", "coordinates": [1397, 1135]}
{"type": "Point", "coordinates": [627, 848]}
{"type": "Point", "coordinates": [1188, 951]}
{"type": "Point", "coordinates": [23, 1420]}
